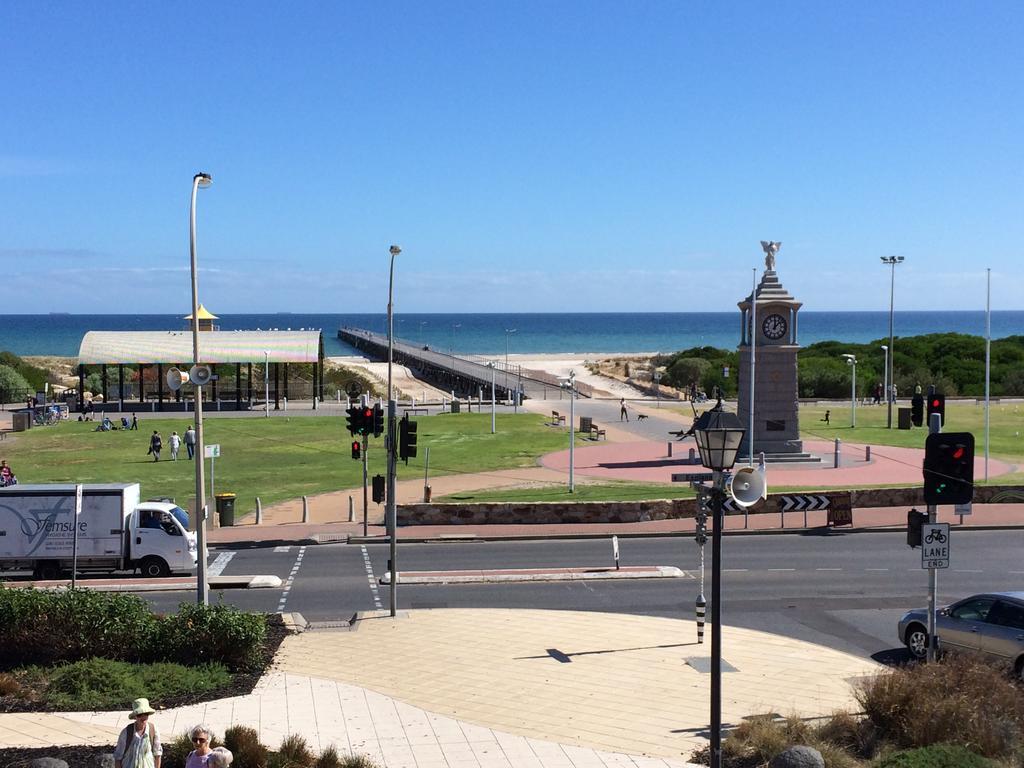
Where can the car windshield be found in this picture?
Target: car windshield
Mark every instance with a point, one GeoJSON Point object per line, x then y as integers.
{"type": "Point", "coordinates": [181, 516]}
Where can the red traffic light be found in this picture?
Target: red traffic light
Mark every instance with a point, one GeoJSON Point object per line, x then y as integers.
{"type": "Point", "coordinates": [356, 449]}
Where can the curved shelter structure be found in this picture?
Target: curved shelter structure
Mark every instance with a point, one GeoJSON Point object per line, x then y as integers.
{"type": "Point", "coordinates": [149, 354]}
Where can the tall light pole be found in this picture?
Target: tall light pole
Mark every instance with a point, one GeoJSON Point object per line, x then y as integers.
{"type": "Point", "coordinates": [451, 350]}
{"type": "Point", "coordinates": [266, 383]}
{"type": "Point", "coordinates": [508, 332]}
{"type": "Point", "coordinates": [892, 261]}
{"type": "Point", "coordinates": [851, 360]}
{"type": "Point", "coordinates": [492, 366]}
{"type": "Point", "coordinates": [572, 431]}
{"type": "Point", "coordinates": [885, 387]}
{"type": "Point", "coordinates": [719, 434]}
{"type": "Point", "coordinates": [202, 588]}
{"type": "Point", "coordinates": [392, 445]}
{"type": "Point", "coordinates": [988, 356]}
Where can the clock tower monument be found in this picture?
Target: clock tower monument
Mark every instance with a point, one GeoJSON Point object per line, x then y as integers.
{"type": "Point", "coordinates": [769, 323]}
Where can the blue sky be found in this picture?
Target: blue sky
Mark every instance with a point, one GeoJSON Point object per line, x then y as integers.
{"type": "Point", "coordinates": [527, 156]}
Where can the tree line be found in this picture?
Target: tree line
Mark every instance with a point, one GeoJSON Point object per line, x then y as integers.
{"type": "Point", "coordinates": [953, 362]}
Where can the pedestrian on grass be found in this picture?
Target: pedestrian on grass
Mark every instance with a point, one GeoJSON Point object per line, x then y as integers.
{"type": "Point", "coordinates": [220, 757]}
{"type": "Point", "coordinates": [200, 755]}
{"type": "Point", "coordinates": [190, 441]}
{"type": "Point", "coordinates": [623, 413]}
{"type": "Point", "coordinates": [155, 445]}
{"type": "Point", "coordinates": [175, 445]}
{"type": "Point", "coordinates": [138, 744]}
{"type": "Point", "coordinates": [135, 422]}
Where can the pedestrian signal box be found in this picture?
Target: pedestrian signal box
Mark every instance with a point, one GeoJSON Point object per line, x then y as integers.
{"type": "Point", "coordinates": [949, 468]}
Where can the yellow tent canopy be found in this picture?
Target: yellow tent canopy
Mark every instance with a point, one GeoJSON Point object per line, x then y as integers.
{"type": "Point", "coordinates": [204, 314]}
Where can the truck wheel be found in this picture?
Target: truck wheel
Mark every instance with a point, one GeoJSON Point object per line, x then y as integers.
{"type": "Point", "coordinates": [154, 568]}
{"type": "Point", "coordinates": [47, 570]}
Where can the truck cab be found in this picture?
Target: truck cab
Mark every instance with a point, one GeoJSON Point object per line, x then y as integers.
{"type": "Point", "coordinates": [159, 542]}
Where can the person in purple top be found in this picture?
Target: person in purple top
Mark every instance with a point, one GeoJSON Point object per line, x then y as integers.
{"type": "Point", "coordinates": [200, 755]}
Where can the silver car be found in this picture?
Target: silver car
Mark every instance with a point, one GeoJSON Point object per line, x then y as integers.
{"type": "Point", "coordinates": [990, 623]}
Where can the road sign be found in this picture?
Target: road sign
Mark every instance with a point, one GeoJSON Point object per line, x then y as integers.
{"type": "Point", "coordinates": [935, 545]}
{"type": "Point", "coordinates": [692, 477]}
{"type": "Point", "coordinates": [804, 502]}
{"type": "Point", "coordinates": [963, 509]}
{"type": "Point", "coordinates": [353, 390]}
{"type": "Point", "coordinates": [212, 451]}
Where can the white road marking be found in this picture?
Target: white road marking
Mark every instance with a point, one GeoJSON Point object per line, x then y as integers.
{"type": "Point", "coordinates": [828, 569]}
{"type": "Point", "coordinates": [217, 566]}
{"type": "Point", "coordinates": [373, 582]}
{"type": "Point", "coordinates": [286, 548]}
{"type": "Point", "coordinates": [782, 569]}
{"type": "Point", "coordinates": [291, 578]}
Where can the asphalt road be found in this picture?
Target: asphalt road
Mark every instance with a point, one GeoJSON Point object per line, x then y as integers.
{"type": "Point", "coordinates": [845, 591]}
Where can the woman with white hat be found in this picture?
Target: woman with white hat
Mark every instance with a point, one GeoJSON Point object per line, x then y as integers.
{"type": "Point", "coordinates": [138, 744]}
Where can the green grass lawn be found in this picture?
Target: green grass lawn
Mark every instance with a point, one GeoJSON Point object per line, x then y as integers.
{"type": "Point", "coordinates": [285, 458]}
{"type": "Point", "coordinates": [275, 459]}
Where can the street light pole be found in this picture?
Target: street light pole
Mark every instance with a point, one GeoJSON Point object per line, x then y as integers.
{"type": "Point", "coordinates": [492, 366]}
{"type": "Point", "coordinates": [202, 587]}
{"type": "Point", "coordinates": [885, 388]}
{"type": "Point", "coordinates": [392, 447]}
{"type": "Point", "coordinates": [892, 261]}
{"type": "Point", "coordinates": [507, 332]}
{"type": "Point", "coordinates": [266, 383]}
{"type": "Point", "coordinates": [851, 360]}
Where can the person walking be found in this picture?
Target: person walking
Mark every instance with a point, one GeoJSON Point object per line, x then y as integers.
{"type": "Point", "coordinates": [138, 743]}
{"type": "Point", "coordinates": [155, 445]}
{"type": "Point", "coordinates": [200, 755]}
{"type": "Point", "coordinates": [623, 413]}
{"type": "Point", "coordinates": [135, 422]}
{"type": "Point", "coordinates": [190, 441]}
{"type": "Point", "coordinates": [175, 445]}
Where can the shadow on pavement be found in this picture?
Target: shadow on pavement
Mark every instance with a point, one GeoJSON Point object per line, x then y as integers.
{"type": "Point", "coordinates": [894, 657]}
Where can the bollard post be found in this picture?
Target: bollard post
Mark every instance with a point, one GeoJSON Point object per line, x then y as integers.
{"type": "Point", "coordinates": [693, 456]}
{"type": "Point", "coordinates": [867, 453]}
{"type": "Point", "coordinates": [305, 509]}
{"type": "Point", "coordinates": [259, 511]}
{"type": "Point", "coordinates": [669, 449]}
{"type": "Point", "coordinates": [702, 606]}
{"type": "Point", "coordinates": [316, 402]}
{"type": "Point", "coordinates": [838, 446]}
{"type": "Point", "coordinates": [285, 399]}
{"type": "Point", "coordinates": [351, 509]}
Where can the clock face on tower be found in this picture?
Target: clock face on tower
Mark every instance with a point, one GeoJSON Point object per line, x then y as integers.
{"type": "Point", "coordinates": [774, 327]}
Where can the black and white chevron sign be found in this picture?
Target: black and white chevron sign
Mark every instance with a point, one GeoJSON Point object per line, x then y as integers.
{"type": "Point", "coordinates": [731, 506]}
{"type": "Point", "coordinates": [803, 503]}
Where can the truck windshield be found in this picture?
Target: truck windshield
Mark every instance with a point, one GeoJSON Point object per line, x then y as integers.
{"type": "Point", "coordinates": [181, 516]}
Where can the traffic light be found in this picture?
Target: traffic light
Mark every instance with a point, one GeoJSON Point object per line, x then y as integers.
{"type": "Point", "coordinates": [352, 418]}
{"type": "Point", "coordinates": [915, 520]}
{"type": "Point", "coordinates": [949, 468]}
{"type": "Point", "coordinates": [356, 449]}
{"type": "Point", "coordinates": [365, 420]}
{"type": "Point", "coordinates": [917, 409]}
{"type": "Point", "coordinates": [378, 489]}
{"type": "Point", "coordinates": [407, 439]}
{"type": "Point", "coordinates": [378, 420]}
{"type": "Point", "coordinates": [937, 404]}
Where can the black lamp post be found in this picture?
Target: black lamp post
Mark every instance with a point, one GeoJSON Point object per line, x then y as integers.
{"type": "Point", "coordinates": [719, 434]}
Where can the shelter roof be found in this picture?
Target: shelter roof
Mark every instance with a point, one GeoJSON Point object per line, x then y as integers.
{"type": "Point", "coordinates": [204, 314]}
{"type": "Point", "coordinates": [175, 347]}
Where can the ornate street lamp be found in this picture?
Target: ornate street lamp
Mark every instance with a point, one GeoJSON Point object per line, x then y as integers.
{"type": "Point", "coordinates": [718, 433]}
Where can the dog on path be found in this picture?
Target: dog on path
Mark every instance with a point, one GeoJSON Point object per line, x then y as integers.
{"type": "Point", "coordinates": [641, 416]}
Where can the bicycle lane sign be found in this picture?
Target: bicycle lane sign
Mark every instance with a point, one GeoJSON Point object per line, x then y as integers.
{"type": "Point", "coordinates": [935, 545]}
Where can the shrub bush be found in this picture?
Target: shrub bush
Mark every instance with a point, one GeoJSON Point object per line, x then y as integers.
{"type": "Point", "coordinates": [294, 752]}
{"type": "Point", "coordinates": [44, 627]}
{"type": "Point", "coordinates": [199, 633]}
{"type": "Point", "coordinates": [938, 756]}
{"type": "Point", "coordinates": [960, 699]}
{"type": "Point", "coordinates": [246, 747]}
{"type": "Point", "coordinates": [104, 684]}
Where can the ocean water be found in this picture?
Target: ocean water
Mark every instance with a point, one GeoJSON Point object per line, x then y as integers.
{"type": "Point", "coordinates": [485, 334]}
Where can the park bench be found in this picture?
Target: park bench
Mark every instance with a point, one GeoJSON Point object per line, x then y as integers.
{"type": "Point", "coordinates": [596, 433]}
{"type": "Point", "coordinates": [557, 419]}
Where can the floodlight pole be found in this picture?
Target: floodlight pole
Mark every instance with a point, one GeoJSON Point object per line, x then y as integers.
{"type": "Point", "coordinates": [892, 261]}
{"type": "Point", "coordinates": [572, 433]}
{"type": "Point", "coordinates": [988, 356]}
{"type": "Point", "coordinates": [266, 383]}
{"type": "Point", "coordinates": [392, 443]}
{"type": "Point", "coordinates": [202, 587]}
{"type": "Point", "coordinates": [492, 366]}
{"type": "Point", "coordinates": [753, 367]}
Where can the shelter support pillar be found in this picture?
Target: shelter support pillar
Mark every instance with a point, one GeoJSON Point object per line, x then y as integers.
{"type": "Point", "coordinates": [103, 380]}
{"type": "Point", "coordinates": [238, 386]}
{"type": "Point", "coordinates": [248, 384]}
{"type": "Point", "coordinates": [213, 381]}
{"type": "Point", "coordinates": [159, 386]}
{"type": "Point", "coordinates": [286, 381]}
{"type": "Point", "coordinates": [277, 390]}
{"type": "Point", "coordinates": [120, 387]}
{"type": "Point", "coordinates": [142, 386]}
{"type": "Point", "coordinates": [81, 388]}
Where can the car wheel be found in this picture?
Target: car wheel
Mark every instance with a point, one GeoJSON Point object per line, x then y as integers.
{"type": "Point", "coordinates": [154, 568]}
{"type": "Point", "coordinates": [917, 641]}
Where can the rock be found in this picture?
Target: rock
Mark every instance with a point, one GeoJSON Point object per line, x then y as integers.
{"type": "Point", "coordinates": [47, 762]}
{"type": "Point", "coordinates": [106, 761]}
{"type": "Point", "coordinates": [798, 757]}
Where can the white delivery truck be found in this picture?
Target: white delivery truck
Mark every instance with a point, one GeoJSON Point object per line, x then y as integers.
{"type": "Point", "coordinates": [116, 531]}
